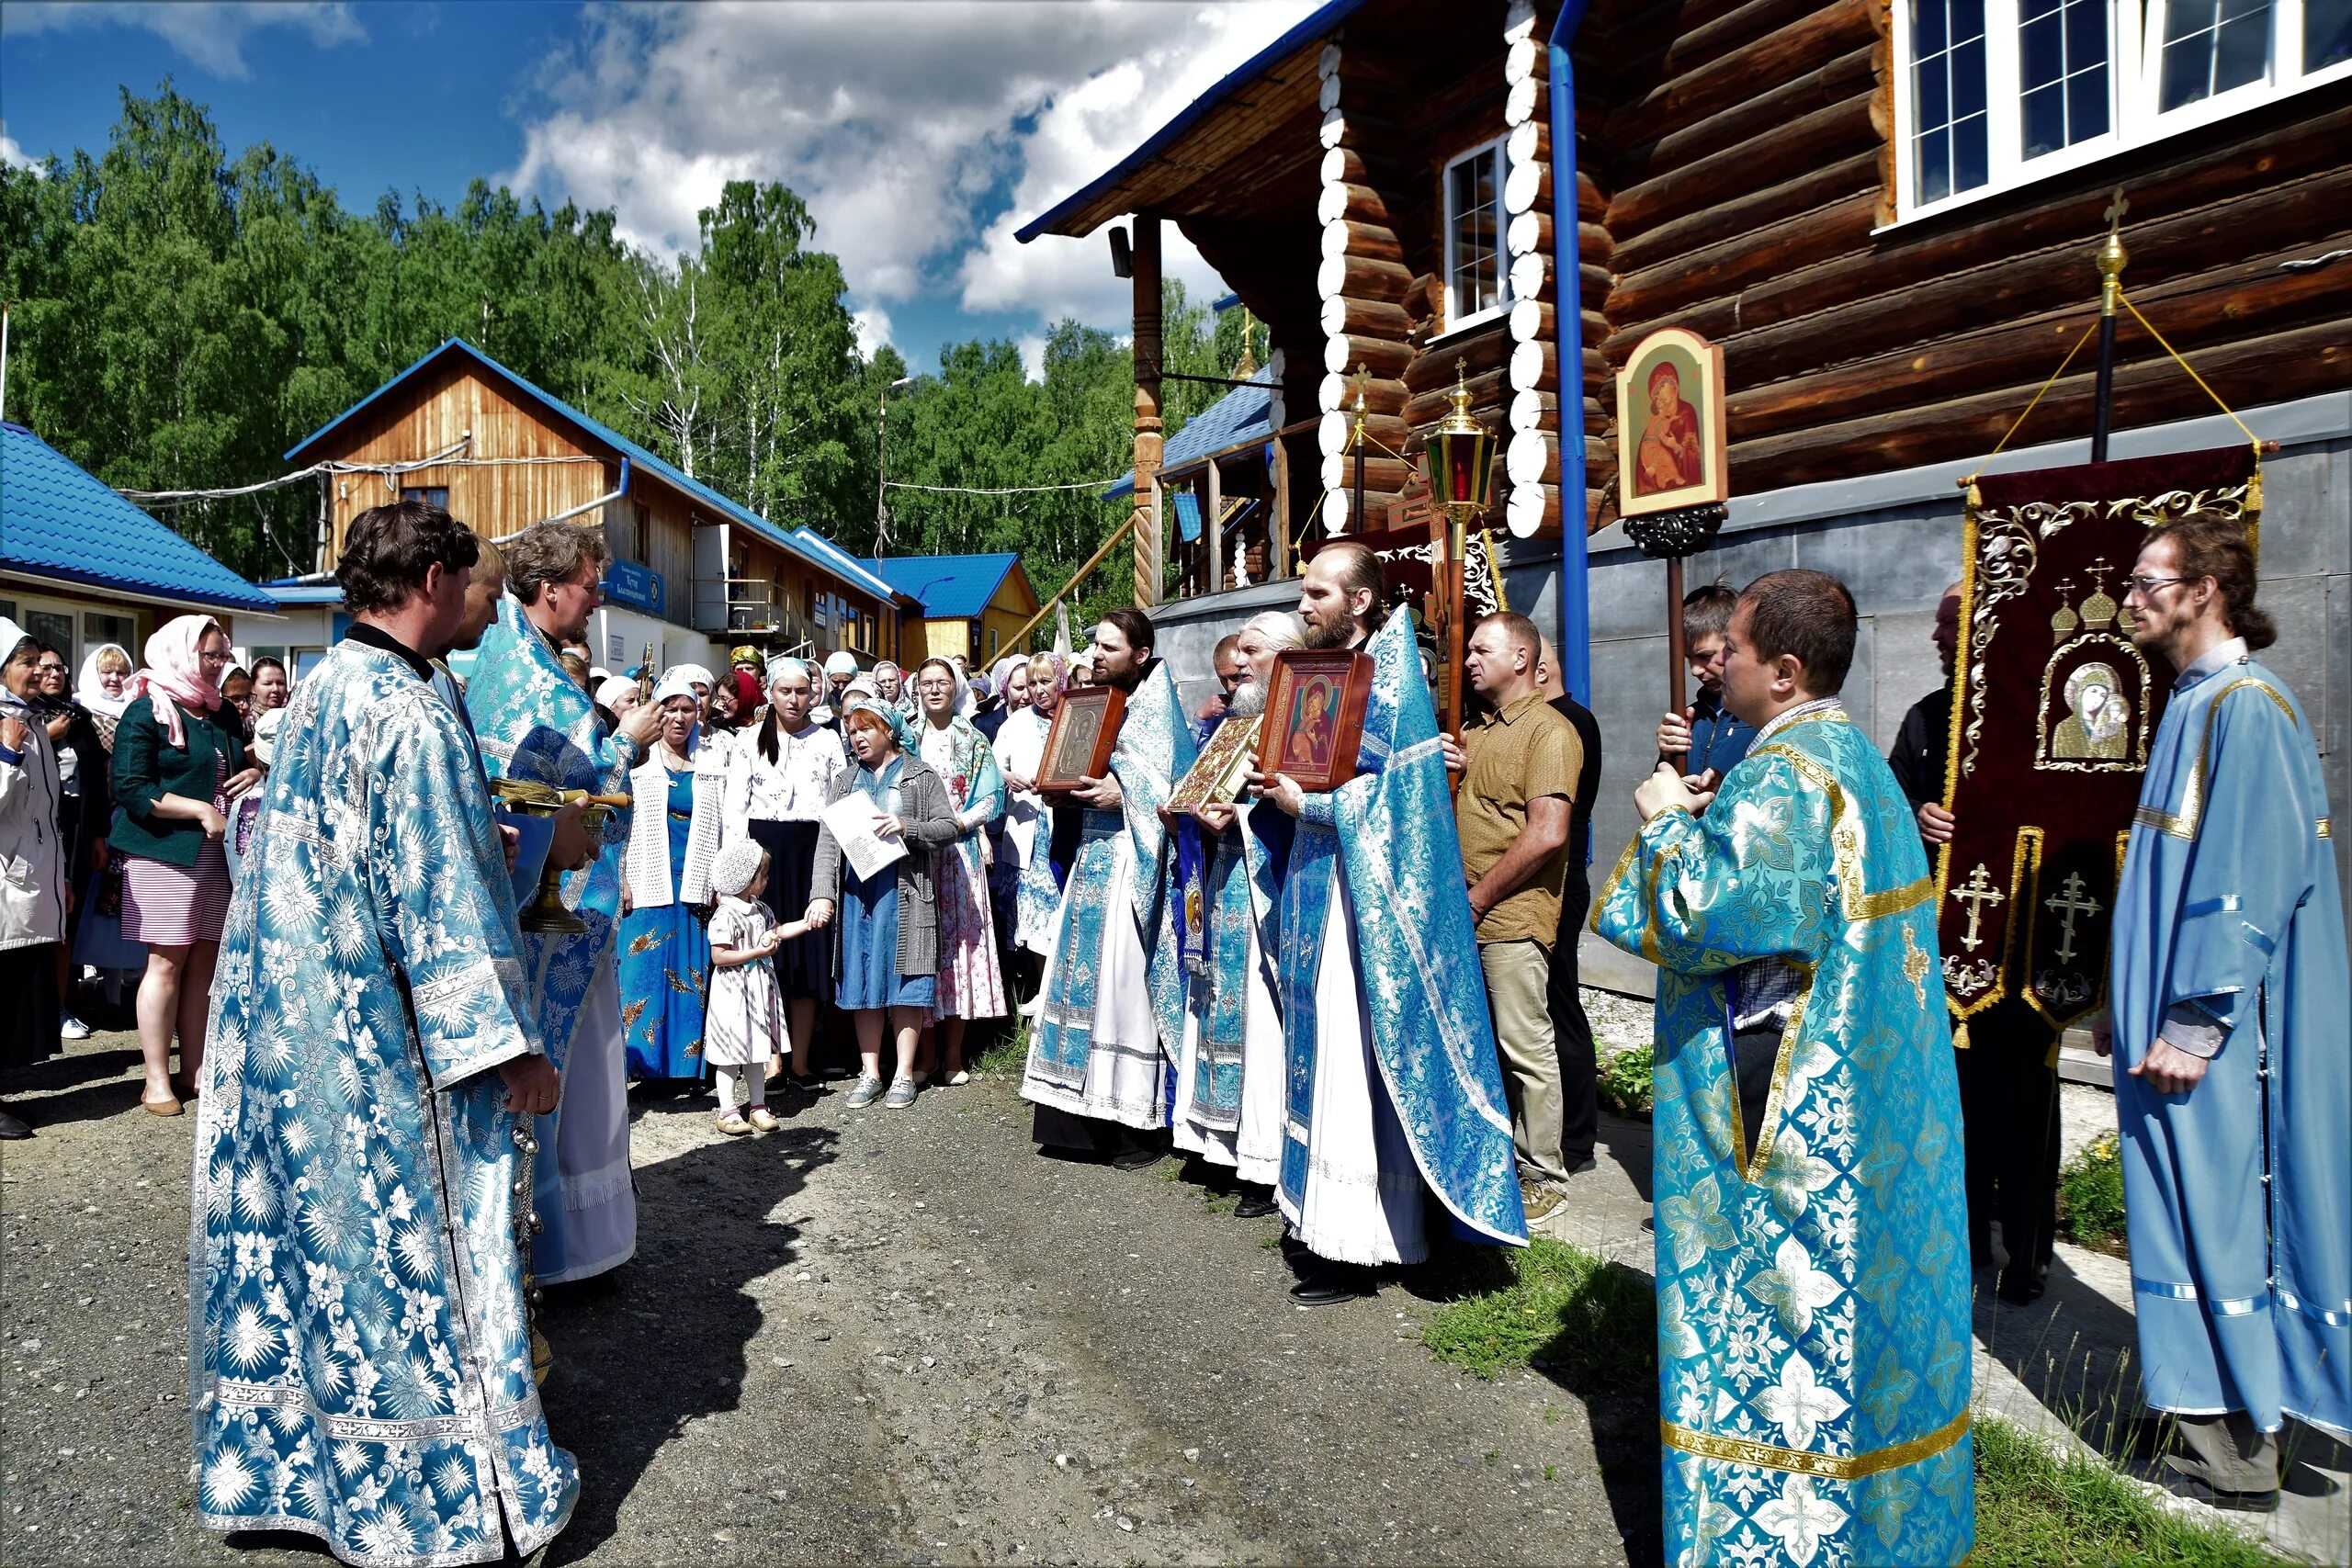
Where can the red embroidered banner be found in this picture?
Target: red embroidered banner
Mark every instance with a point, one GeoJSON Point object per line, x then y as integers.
{"type": "Point", "coordinates": [2052, 710]}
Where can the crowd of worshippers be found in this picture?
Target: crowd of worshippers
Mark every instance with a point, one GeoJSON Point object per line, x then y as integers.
{"type": "Point", "coordinates": [1359, 1001]}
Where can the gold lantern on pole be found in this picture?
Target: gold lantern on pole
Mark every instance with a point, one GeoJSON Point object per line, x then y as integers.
{"type": "Point", "coordinates": [1461, 473]}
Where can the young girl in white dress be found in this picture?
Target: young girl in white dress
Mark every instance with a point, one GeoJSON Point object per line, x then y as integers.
{"type": "Point", "coordinates": [744, 1024]}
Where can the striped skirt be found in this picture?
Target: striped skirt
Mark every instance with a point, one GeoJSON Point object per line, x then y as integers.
{"type": "Point", "coordinates": [172, 906]}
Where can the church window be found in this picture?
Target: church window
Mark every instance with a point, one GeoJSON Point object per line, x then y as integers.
{"type": "Point", "coordinates": [1996, 93]}
{"type": "Point", "coordinates": [1476, 283]}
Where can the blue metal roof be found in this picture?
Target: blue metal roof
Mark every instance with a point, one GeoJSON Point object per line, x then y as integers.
{"type": "Point", "coordinates": [952, 588]}
{"type": "Point", "coordinates": [304, 594]}
{"type": "Point", "coordinates": [57, 521]}
{"type": "Point", "coordinates": [1323, 20]}
{"type": "Point", "coordinates": [793, 542]}
{"type": "Point", "coordinates": [848, 565]}
{"type": "Point", "coordinates": [1238, 416]}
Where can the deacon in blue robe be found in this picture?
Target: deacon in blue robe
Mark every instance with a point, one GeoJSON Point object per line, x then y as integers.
{"type": "Point", "coordinates": [1813, 1282]}
{"type": "Point", "coordinates": [2229, 944]}
{"type": "Point", "coordinates": [360, 1354]}
{"type": "Point", "coordinates": [1113, 1012]}
{"type": "Point", "coordinates": [536, 724]}
{"type": "Point", "coordinates": [1394, 1087]}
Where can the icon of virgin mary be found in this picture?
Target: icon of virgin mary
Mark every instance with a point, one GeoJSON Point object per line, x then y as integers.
{"type": "Point", "coordinates": [1670, 456]}
{"type": "Point", "coordinates": [2098, 717]}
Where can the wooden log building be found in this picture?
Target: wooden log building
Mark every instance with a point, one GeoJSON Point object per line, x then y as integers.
{"type": "Point", "coordinates": [694, 575]}
{"type": "Point", "coordinates": [1885, 211]}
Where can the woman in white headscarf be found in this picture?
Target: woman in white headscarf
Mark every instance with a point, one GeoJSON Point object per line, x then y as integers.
{"type": "Point", "coordinates": [674, 833]}
{"type": "Point", "coordinates": [102, 690]}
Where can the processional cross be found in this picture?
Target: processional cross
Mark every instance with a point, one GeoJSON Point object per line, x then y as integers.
{"type": "Point", "coordinates": [1976, 891]}
{"type": "Point", "coordinates": [2066, 903]}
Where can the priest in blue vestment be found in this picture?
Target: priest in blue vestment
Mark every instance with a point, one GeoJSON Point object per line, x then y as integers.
{"type": "Point", "coordinates": [1813, 1282]}
{"type": "Point", "coordinates": [1112, 1014]}
{"type": "Point", "coordinates": [1231, 1073]}
{"type": "Point", "coordinates": [2228, 990]}
{"type": "Point", "coordinates": [360, 1354]}
{"type": "Point", "coordinates": [537, 724]}
{"type": "Point", "coordinates": [1394, 1088]}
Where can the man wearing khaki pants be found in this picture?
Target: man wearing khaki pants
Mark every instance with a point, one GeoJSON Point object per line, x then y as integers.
{"type": "Point", "coordinates": [1519, 764]}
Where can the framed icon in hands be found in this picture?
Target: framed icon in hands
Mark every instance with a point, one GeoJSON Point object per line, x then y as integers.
{"type": "Point", "coordinates": [1313, 725]}
{"type": "Point", "coordinates": [1077, 747]}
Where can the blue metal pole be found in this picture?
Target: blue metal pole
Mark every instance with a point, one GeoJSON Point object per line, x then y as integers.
{"type": "Point", "coordinates": [1575, 636]}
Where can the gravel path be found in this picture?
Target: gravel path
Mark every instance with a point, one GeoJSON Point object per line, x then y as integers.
{"type": "Point", "coordinates": [883, 1336]}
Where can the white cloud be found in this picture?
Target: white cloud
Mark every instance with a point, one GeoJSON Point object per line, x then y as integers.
{"type": "Point", "coordinates": [898, 124]}
{"type": "Point", "coordinates": [873, 327]}
{"type": "Point", "coordinates": [14, 156]}
{"type": "Point", "coordinates": [1033, 355]}
{"type": "Point", "coordinates": [209, 33]}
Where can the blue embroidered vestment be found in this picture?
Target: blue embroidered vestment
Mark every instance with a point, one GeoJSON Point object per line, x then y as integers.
{"type": "Point", "coordinates": [359, 1356]}
{"type": "Point", "coordinates": [1813, 1291]}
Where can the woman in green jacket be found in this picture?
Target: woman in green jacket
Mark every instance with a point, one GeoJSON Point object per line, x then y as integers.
{"type": "Point", "coordinates": [177, 763]}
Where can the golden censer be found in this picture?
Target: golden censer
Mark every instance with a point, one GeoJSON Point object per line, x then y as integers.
{"type": "Point", "coordinates": [546, 912]}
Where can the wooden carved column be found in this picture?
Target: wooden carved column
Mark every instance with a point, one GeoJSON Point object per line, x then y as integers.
{"type": "Point", "coordinates": [1147, 439]}
{"type": "Point", "coordinates": [1532, 450]}
{"type": "Point", "coordinates": [1362, 282]}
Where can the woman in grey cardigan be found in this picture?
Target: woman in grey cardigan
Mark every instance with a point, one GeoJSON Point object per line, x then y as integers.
{"type": "Point", "coordinates": [886, 945]}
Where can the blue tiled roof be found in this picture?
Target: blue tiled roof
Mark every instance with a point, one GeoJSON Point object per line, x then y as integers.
{"type": "Point", "coordinates": [1237, 417]}
{"type": "Point", "coordinates": [795, 542]}
{"type": "Point", "coordinates": [952, 588]}
{"type": "Point", "coordinates": [57, 521]}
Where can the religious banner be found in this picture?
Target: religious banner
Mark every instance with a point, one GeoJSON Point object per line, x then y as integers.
{"type": "Point", "coordinates": [2052, 710]}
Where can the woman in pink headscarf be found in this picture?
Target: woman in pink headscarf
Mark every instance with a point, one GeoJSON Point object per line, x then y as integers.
{"type": "Point", "coordinates": [178, 761]}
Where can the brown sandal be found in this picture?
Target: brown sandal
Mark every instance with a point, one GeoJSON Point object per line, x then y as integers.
{"type": "Point", "coordinates": [167, 1106]}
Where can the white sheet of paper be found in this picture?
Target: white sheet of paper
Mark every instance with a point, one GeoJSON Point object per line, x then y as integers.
{"type": "Point", "coordinates": [851, 819]}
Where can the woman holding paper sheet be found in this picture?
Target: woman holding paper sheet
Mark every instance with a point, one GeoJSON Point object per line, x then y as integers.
{"type": "Point", "coordinates": [886, 945]}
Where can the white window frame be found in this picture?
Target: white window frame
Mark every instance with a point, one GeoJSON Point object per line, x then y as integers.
{"type": "Point", "coordinates": [2134, 75]}
{"type": "Point", "coordinates": [1457, 320]}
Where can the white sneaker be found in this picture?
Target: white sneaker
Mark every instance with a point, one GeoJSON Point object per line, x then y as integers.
{"type": "Point", "coordinates": [71, 1028]}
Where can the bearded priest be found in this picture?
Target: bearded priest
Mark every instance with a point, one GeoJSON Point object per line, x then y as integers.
{"type": "Point", "coordinates": [1113, 1018]}
{"type": "Point", "coordinates": [1813, 1282]}
{"type": "Point", "coordinates": [360, 1357]}
{"type": "Point", "coordinates": [2228, 988]}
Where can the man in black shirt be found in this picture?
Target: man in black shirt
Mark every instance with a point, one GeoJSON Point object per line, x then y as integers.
{"type": "Point", "coordinates": [2008, 1080]}
{"type": "Point", "coordinates": [1571, 1030]}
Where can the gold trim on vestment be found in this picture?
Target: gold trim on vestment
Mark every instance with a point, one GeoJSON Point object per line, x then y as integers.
{"type": "Point", "coordinates": [1829, 1467]}
{"type": "Point", "coordinates": [2184, 823]}
{"type": "Point", "coordinates": [2325, 831]}
{"type": "Point", "coordinates": [1894, 901]}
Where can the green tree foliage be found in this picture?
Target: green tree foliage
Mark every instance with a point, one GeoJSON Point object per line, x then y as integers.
{"type": "Point", "coordinates": [183, 317]}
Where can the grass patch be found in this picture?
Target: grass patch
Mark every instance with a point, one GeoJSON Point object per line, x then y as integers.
{"type": "Point", "coordinates": [2037, 1506]}
{"type": "Point", "coordinates": [1009, 1056]}
{"type": "Point", "coordinates": [2090, 1192]}
{"type": "Point", "coordinates": [1581, 1318]}
{"type": "Point", "coordinates": [1625, 1084]}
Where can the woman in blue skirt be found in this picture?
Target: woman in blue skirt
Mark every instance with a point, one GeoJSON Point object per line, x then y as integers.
{"type": "Point", "coordinates": [886, 941]}
{"type": "Point", "coordinates": [673, 836]}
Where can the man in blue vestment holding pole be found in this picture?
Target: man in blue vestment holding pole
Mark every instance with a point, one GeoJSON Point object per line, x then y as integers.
{"type": "Point", "coordinates": [1812, 1322]}
{"type": "Point", "coordinates": [537, 725]}
{"type": "Point", "coordinates": [2227, 995]}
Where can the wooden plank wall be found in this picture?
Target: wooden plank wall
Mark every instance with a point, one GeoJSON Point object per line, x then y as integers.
{"type": "Point", "coordinates": [1748, 163]}
{"type": "Point", "coordinates": [434, 412]}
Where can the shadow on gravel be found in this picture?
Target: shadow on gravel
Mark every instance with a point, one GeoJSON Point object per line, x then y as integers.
{"type": "Point", "coordinates": [643, 1351]}
{"type": "Point", "coordinates": [1597, 1344]}
{"type": "Point", "coordinates": [85, 1087]}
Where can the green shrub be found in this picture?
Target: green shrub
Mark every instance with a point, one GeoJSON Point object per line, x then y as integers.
{"type": "Point", "coordinates": [1625, 1081]}
{"type": "Point", "coordinates": [2090, 1192]}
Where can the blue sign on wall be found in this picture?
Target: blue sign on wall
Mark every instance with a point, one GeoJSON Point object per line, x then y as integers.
{"type": "Point", "coordinates": [639, 587]}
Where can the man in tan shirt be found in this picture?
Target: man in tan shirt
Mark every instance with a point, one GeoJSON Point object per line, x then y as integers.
{"type": "Point", "coordinates": [1518, 768]}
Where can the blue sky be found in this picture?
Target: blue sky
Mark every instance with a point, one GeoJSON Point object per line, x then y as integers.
{"type": "Point", "coordinates": [920, 134]}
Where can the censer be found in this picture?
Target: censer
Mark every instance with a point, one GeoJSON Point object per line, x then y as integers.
{"type": "Point", "coordinates": [546, 912]}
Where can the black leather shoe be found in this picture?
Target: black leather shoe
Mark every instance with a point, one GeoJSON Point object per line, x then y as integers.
{"type": "Point", "coordinates": [1332, 1287]}
{"type": "Point", "coordinates": [1256, 1206]}
{"type": "Point", "coordinates": [1137, 1159]}
{"type": "Point", "coordinates": [11, 1127]}
{"type": "Point", "coordinates": [2196, 1491]}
